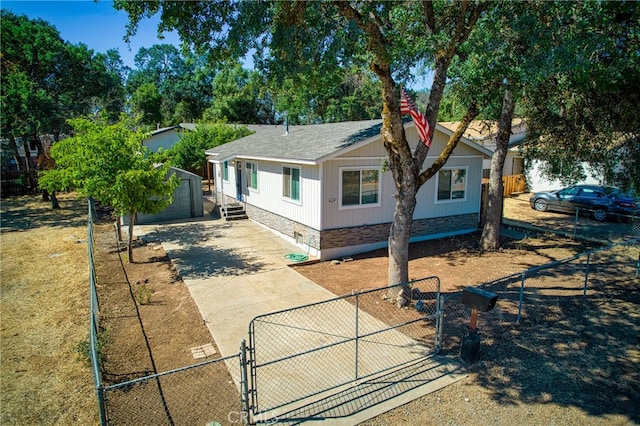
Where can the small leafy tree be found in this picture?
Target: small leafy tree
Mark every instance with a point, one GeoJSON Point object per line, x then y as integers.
{"type": "Point", "coordinates": [109, 163]}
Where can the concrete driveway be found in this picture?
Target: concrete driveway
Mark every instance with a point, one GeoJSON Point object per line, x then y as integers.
{"type": "Point", "coordinates": [236, 271]}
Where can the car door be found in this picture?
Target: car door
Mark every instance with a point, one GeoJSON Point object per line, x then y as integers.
{"type": "Point", "coordinates": [565, 199]}
{"type": "Point", "coordinates": [592, 199]}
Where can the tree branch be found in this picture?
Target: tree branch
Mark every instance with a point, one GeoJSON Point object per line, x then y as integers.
{"type": "Point", "coordinates": [429, 16]}
{"type": "Point", "coordinates": [471, 113]}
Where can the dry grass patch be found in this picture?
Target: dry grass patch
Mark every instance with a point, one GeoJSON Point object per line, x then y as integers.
{"type": "Point", "coordinates": [44, 303]}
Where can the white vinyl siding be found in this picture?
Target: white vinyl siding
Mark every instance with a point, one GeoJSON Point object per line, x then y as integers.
{"type": "Point", "coordinates": [270, 195]}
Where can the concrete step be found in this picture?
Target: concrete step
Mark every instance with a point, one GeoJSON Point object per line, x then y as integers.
{"type": "Point", "coordinates": [234, 212]}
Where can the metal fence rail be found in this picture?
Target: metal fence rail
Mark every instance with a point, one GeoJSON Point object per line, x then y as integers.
{"type": "Point", "coordinates": [302, 352]}
{"type": "Point", "coordinates": [184, 396]}
{"type": "Point", "coordinates": [543, 291]}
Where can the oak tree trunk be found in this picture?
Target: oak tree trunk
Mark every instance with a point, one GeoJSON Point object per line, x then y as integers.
{"type": "Point", "coordinates": [399, 236]}
{"type": "Point", "coordinates": [490, 239]}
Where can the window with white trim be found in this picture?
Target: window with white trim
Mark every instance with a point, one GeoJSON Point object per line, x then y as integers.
{"type": "Point", "coordinates": [452, 184]}
{"type": "Point", "coordinates": [359, 187]}
{"type": "Point", "coordinates": [291, 183]}
{"type": "Point", "coordinates": [225, 171]}
{"type": "Point", "coordinates": [252, 175]}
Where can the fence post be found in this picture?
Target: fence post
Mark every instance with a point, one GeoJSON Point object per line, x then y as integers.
{"type": "Point", "coordinates": [102, 411]}
{"type": "Point", "coordinates": [521, 298]}
{"type": "Point", "coordinates": [94, 326]}
{"type": "Point", "coordinates": [586, 275]}
{"type": "Point", "coordinates": [575, 224]}
{"type": "Point", "coordinates": [244, 397]}
{"type": "Point", "coordinates": [357, 333]}
{"type": "Point", "coordinates": [439, 321]}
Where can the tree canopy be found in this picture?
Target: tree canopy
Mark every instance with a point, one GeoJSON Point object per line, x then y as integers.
{"type": "Point", "coordinates": [110, 164]}
{"type": "Point", "coordinates": [188, 152]}
{"type": "Point", "coordinates": [182, 85]}
{"type": "Point", "coordinates": [585, 110]}
{"type": "Point", "coordinates": [46, 81]}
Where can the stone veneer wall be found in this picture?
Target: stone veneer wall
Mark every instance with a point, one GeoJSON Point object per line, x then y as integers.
{"type": "Point", "coordinates": [358, 235]}
{"type": "Point", "coordinates": [299, 232]}
{"type": "Point", "coordinates": [368, 234]}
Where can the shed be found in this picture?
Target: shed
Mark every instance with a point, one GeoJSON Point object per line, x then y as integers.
{"type": "Point", "coordinates": [187, 200]}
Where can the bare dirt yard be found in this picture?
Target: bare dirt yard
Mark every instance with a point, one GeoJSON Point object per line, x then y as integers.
{"type": "Point", "coordinates": [578, 366]}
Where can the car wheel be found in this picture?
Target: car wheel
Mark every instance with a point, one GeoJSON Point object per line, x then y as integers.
{"type": "Point", "coordinates": [540, 205]}
{"type": "Point", "coordinates": [599, 214]}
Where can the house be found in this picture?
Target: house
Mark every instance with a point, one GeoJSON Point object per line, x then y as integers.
{"type": "Point", "coordinates": [166, 137]}
{"type": "Point", "coordinates": [517, 176]}
{"type": "Point", "coordinates": [485, 133]}
{"type": "Point", "coordinates": [325, 187]}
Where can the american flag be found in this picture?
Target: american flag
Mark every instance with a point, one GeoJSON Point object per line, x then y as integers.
{"type": "Point", "coordinates": [407, 106]}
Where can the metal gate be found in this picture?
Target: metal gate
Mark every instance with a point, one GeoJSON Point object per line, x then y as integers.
{"type": "Point", "coordinates": [300, 355]}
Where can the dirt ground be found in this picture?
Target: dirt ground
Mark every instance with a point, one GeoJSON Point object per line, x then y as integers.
{"type": "Point", "coordinates": [579, 368]}
{"type": "Point", "coordinates": [44, 313]}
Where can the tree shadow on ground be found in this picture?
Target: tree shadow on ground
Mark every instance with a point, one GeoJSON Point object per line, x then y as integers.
{"type": "Point", "coordinates": [567, 349]}
{"type": "Point", "coordinates": [24, 212]}
{"type": "Point", "coordinates": [198, 253]}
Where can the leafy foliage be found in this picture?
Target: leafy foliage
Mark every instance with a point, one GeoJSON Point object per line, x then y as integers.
{"type": "Point", "coordinates": [109, 163]}
{"type": "Point", "coordinates": [53, 80]}
{"type": "Point", "coordinates": [182, 85]}
{"type": "Point", "coordinates": [146, 103]}
{"type": "Point", "coordinates": [239, 96]}
{"type": "Point", "coordinates": [46, 81]}
{"type": "Point", "coordinates": [585, 111]}
{"type": "Point", "coordinates": [188, 152]}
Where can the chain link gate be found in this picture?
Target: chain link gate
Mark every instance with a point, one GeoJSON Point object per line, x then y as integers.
{"type": "Point", "coordinates": [301, 354]}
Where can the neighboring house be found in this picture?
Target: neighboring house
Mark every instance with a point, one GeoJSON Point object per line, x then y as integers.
{"type": "Point", "coordinates": [485, 133]}
{"type": "Point", "coordinates": [187, 200]}
{"type": "Point", "coordinates": [166, 137]}
{"type": "Point", "coordinates": [516, 176]}
{"type": "Point", "coordinates": [8, 156]}
{"type": "Point", "coordinates": [537, 182]}
{"type": "Point", "coordinates": [325, 187]}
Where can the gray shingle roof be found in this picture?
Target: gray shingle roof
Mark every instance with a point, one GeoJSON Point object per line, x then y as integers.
{"type": "Point", "coordinates": [310, 143]}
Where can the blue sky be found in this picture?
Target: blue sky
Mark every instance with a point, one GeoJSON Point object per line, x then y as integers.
{"type": "Point", "coordinates": [101, 27]}
{"type": "Point", "coordinates": [98, 25]}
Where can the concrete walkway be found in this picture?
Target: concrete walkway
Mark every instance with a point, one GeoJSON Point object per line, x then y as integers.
{"type": "Point", "coordinates": [236, 271]}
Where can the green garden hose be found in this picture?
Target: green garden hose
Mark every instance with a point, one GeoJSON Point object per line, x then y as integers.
{"type": "Point", "coordinates": [299, 257]}
{"type": "Point", "coordinates": [296, 257]}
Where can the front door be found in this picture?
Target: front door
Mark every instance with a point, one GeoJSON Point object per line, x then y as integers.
{"type": "Point", "coordinates": [239, 181]}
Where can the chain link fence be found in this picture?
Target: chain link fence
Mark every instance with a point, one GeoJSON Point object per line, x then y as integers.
{"type": "Point", "coordinates": [542, 292]}
{"type": "Point", "coordinates": [184, 396]}
{"type": "Point", "coordinates": [615, 228]}
{"type": "Point", "coordinates": [302, 352]}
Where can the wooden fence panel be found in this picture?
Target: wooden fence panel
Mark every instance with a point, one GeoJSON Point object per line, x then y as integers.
{"type": "Point", "coordinates": [513, 183]}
